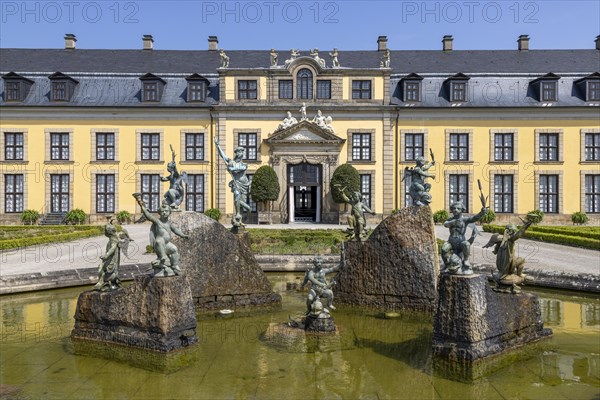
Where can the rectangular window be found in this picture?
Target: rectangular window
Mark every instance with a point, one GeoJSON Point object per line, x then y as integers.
{"type": "Point", "coordinates": [59, 91]}
{"type": "Point", "coordinates": [324, 89]}
{"type": "Point", "coordinates": [150, 91]}
{"type": "Point", "coordinates": [413, 146]}
{"type": "Point", "coordinates": [549, 193]}
{"type": "Point", "coordinates": [150, 146]}
{"type": "Point", "coordinates": [365, 188]}
{"type": "Point", "coordinates": [286, 89]}
{"type": "Point", "coordinates": [13, 91]}
{"type": "Point", "coordinates": [592, 194]}
{"type": "Point", "coordinates": [412, 91]}
{"type": "Point", "coordinates": [194, 146]}
{"type": "Point", "coordinates": [59, 146]}
{"type": "Point", "coordinates": [548, 146]}
{"type": "Point", "coordinates": [503, 147]}
{"type": "Point", "coordinates": [197, 91]}
{"type": "Point", "coordinates": [592, 147]}
{"type": "Point", "coordinates": [13, 193]}
{"type": "Point", "coordinates": [503, 193]}
{"type": "Point", "coordinates": [105, 193]}
{"type": "Point", "coordinates": [59, 193]}
{"type": "Point", "coordinates": [361, 89]}
{"type": "Point", "coordinates": [249, 143]}
{"type": "Point", "coordinates": [151, 191]}
{"type": "Point", "coordinates": [459, 189]}
{"type": "Point", "coordinates": [459, 147]}
{"type": "Point", "coordinates": [593, 91]}
{"type": "Point", "coordinates": [105, 146]}
{"type": "Point", "coordinates": [361, 147]}
{"type": "Point", "coordinates": [247, 90]}
{"type": "Point", "coordinates": [13, 146]}
{"type": "Point", "coordinates": [458, 91]}
{"type": "Point", "coordinates": [548, 91]}
{"type": "Point", "coordinates": [249, 200]}
{"type": "Point", "coordinates": [194, 196]}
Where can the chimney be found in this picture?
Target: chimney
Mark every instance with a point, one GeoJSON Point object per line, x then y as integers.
{"type": "Point", "coordinates": [598, 42]}
{"type": "Point", "coordinates": [148, 42]}
{"type": "Point", "coordinates": [70, 41]}
{"type": "Point", "coordinates": [382, 43]}
{"type": "Point", "coordinates": [447, 42]}
{"type": "Point", "coordinates": [523, 41]}
{"type": "Point", "coordinates": [213, 43]}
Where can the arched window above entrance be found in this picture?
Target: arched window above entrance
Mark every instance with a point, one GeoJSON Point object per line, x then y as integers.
{"type": "Point", "coordinates": [304, 83]}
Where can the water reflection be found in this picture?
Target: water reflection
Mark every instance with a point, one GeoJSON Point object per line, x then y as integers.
{"type": "Point", "coordinates": [388, 359]}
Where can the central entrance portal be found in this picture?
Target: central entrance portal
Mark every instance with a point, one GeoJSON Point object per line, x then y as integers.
{"type": "Point", "coordinates": [304, 188]}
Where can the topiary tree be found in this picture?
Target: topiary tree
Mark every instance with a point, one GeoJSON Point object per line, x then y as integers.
{"type": "Point", "coordinates": [265, 186]}
{"type": "Point", "coordinates": [344, 176]}
{"type": "Point", "coordinates": [536, 216]}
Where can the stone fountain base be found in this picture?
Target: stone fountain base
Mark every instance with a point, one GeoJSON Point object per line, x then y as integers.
{"type": "Point", "coordinates": [154, 314]}
{"type": "Point", "coordinates": [473, 322]}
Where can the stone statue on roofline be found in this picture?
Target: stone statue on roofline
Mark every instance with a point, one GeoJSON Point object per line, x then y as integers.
{"type": "Point", "coordinates": [161, 235]}
{"type": "Point", "coordinates": [386, 60]}
{"type": "Point", "coordinates": [274, 58]}
{"type": "Point", "coordinates": [287, 122]}
{"type": "Point", "coordinates": [294, 53]}
{"type": "Point", "coordinates": [314, 53]}
{"type": "Point", "coordinates": [510, 267]}
{"type": "Point", "coordinates": [224, 59]}
{"type": "Point", "coordinates": [334, 58]}
{"type": "Point", "coordinates": [303, 116]}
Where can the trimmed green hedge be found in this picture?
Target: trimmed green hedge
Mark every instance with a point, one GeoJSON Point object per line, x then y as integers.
{"type": "Point", "coordinates": [16, 243]}
{"type": "Point", "coordinates": [587, 232]}
{"type": "Point", "coordinates": [557, 238]}
{"type": "Point", "coordinates": [20, 231]}
{"type": "Point", "coordinates": [295, 241]}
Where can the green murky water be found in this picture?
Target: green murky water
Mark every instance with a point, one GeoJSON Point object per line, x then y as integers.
{"type": "Point", "coordinates": [390, 359]}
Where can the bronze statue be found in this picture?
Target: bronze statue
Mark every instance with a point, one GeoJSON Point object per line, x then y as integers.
{"type": "Point", "coordinates": [419, 189]}
{"type": "Point", "coordinates": [108, 270]}
{"type": "Point", "coordinates": [167, 262]}
{"type": "Point", "coordinates": [174, 196]}
{"type": "Point", "coordinates": [356, 219]}
{"type": "Point", "coordinates": [320, 296]}
{"type": "Point", "coordinates": [239, 184]}
{"type": "Point", "coordinates": [510, 267]}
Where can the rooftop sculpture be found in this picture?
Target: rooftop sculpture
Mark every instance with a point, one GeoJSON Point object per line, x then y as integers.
{"type": "Point", "coordinates": [334, 58]}
{"type": "Point", "coordinates": [224, 59]}
{"type": "Point", "coordinates": [274, 58]}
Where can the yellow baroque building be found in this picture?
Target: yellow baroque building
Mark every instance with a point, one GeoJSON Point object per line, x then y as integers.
{"type": "Point", "coordinates": [87, 128]}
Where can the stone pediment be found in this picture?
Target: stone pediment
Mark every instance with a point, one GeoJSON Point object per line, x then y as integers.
{"type": "Point", "coordinates": [304, 132]}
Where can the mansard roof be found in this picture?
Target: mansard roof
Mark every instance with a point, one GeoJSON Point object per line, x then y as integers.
{"type": "Point", "coordinates": [206, 61]}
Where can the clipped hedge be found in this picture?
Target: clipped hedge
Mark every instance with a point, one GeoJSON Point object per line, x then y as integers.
{"type": "Point", "coordinates": [556, 238]}
{"type": "Point", "coordinates": [589, 232]}
{"type": "Point", "coordinates": [295, 241]}
{"type": "Point", "coordinates": [16, 243]}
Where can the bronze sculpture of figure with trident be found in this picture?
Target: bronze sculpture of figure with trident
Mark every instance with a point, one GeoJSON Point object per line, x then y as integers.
{"type": "Point", "coordinates": [239, 184]}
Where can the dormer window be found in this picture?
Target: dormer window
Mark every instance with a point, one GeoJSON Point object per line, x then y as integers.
{"type": "Point", "coordinates": [197, 88]}
{"type": "Point", "coordinates": [62, 87]}
{"type": "Point", "coordinates": [152, 88]}
{"type": "Point", "coordinates": [589, 87]}
{"type": "Point", "coordinates": [305, 84]}
{"type": "Point", "coordinates": [411, 88]}
{"type": "Point", "coordinates": [457, 87]}
{"type": "Point", "coordinates": [16, 87]}
{"type": "Point", "coordinates": [546, 87]}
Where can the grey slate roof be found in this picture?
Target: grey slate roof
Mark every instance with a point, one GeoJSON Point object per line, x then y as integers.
{"type": "Point", "coordinates": [205, 61]}
{"type": "Point", "coordinates": [499, 78]}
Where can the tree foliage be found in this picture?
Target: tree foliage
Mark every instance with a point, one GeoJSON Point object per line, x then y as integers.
{"type": "Point", "coordinates": [265, 185]}
{"type": "Point", "coordinates": [344, 176]}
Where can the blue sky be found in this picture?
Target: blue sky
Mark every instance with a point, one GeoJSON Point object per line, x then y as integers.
{"type": "Point", "coordinates": [300, 24]}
